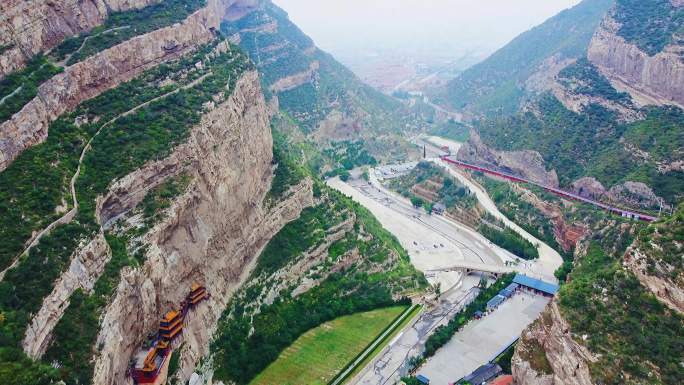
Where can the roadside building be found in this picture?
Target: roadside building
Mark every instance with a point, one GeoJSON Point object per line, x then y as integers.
{"type": "Point", "coordinates": [513, 287]}
{"type": "Point", "coordinates": [495, 302]}
{"type": "Point", "coordinates": [537, 286]}
{"type": "Point", "coordinates": [506, 293]}
{"type": "Point", "coordinates": [482, 374]}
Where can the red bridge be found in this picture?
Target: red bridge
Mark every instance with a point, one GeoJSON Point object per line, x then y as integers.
{"type": "Point", "coordinates": [565, 194]}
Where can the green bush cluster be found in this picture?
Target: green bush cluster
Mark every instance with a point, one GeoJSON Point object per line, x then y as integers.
{"type": "Point", "coordinates": [637, 339]}
{"type": "Point", "coordinates": [650, 25]}
{"type": "Point", "coordinates": [345, 155]}
{"type": "Point", "coordinates": [452, 193]}
{"type": "Point", "coordinates": [20, 87]}
{"type": "Point", "coordinates": [584, 78]}
{"type": "Point", "coordinates": [289, 170]}
{"type": "Point", "coordinates": [511, 241]}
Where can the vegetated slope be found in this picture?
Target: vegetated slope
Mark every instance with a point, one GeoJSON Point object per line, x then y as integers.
{"type": "Point", "coordinates": [322, 96]}
{"type": "Point", "coordinates": [657, 259]}
{"type": "Point", "coordinates": [649, 25]}
{"type": "Point", "coordinates": [595, 143]}
{"type": "Point", "coordinates": [602, 141]}
{"type": "Point", "coordinates": [335, 260]}
{"type": "Point", "coordinates": [605, 326]}
{"type": "Point", "coordinates": [496, 85]}
{"type": "Point", "coordinates": [122, 146]}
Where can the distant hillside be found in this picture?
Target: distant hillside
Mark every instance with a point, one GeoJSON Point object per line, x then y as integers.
{"type": "Point", "coordinates": [324, 98]}
{"type": "Point", "coordinates": [496, 85]}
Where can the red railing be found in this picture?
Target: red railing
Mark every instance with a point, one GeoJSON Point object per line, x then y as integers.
{"type": "Point", "coordinates": [554, 190]}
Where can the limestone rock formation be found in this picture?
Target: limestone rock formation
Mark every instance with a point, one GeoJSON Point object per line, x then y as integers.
{"type": "Point", "coordinates": [296, 80]}
{"type": "Point", "coordinates": [657, 79]}
{"type": "Point", "coordinates": [589, 187]}
{"type": "Point", "coordinates": [664, 288]}
{"type": "Point", "coordinates": [98, 73]}
{"type": "Point", "coordinates": [30, 27]}
{"type": "Point", "coordinates": [212, 236]}
{"type": "Point", "coordinates": [87, 265]}
{"type": "Point", "coordinates": [528, 164]}
{"type": "Point", "coordinates": [635, 194]}
{"type": "Point", "coordinates": [547, 354]}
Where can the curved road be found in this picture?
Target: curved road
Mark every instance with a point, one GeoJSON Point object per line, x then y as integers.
{"type": "Point", "coordinates": [549, 260]}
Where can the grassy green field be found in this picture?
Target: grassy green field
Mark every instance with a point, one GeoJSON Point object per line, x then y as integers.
{"type": "Point", "coordinates": [319, 354]}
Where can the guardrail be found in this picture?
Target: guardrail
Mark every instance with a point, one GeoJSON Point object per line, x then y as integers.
{"type": "Point", "coordinates": [565, 194]}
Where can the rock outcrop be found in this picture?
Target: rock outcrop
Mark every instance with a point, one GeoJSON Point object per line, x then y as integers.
{"type": "Point", "coordinates": [212, 235]}
{"type": "Point", "coordinates": [30, 27]}
{"type": "Point", "coordinates": [87, 265]}
{"type": "Point", "coordinates": [547, 354]}
{"type": "Point", "coordinates": [528, 164]}
{"type": "Point", "coordinates": [296, 80]}
{"type": "Point", "coordinates": [634, 194]}
{"type": "Point", "coordinates": [665, 289]}
{"type": "Point", "coordinates": [657, 79]}
{"type": "Point", "coordinates": [103, 71]}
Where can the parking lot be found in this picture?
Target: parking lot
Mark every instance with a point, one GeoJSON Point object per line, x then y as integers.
{"type": "Point", "coordinates": [480, 340]}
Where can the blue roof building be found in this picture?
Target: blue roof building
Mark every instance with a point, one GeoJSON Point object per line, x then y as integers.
{"type": "Point", "coordinates": [482, 374]}
{"type": "Point", "coordinates": [506, 293]}
{"type": "Point", "coordinates": [495, 302]}
{"type": "Point", "coordinates": [422, 379]}
{"type": "Point", "coordinates": [536, 284]}
{"type": "Point", "coordinates": [512, 287]}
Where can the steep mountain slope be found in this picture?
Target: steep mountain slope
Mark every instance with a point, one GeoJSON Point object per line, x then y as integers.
{"type": "Point", "coordinates": [147, 164]}
{"type": "Point", "coordinates": [613, 119]}
{"type": "Point", "coordinates": [615, 321]}
{"type": "Point", "coordinates": [323, 97]}
{"type": "Point", "coordinates": [28, 28]}
{"type": "Point", "coordinates": [608, 124]}
{"type": "Point", "coordinates": [639, 47]}
{"type": "Point", "coordinates": [499, 84]}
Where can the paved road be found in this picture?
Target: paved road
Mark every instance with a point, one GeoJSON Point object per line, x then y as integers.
{"type": "Point", "coordinates": [432, 242]}
{"type": "Point", "coordinates": [549, 260]}
{"type": "Point", "coordinates": [392, 362]}
{"type": "Point", "coordinates": [481, 340]}
{"type": "Point", "coordinates": [435, 242]}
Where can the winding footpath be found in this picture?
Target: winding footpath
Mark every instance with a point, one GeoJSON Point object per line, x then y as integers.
{"type": "Point", "coordinates": [69, 215]}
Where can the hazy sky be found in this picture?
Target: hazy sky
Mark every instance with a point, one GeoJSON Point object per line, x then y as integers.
{"type": "Point", "coordinates": [343, 26]}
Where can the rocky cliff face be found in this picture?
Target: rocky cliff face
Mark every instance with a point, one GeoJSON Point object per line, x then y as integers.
{"type": "Point", "coordinates": [528, 164]}
{"type": "Point", "coordinates": [30, 27]}
{"type": "Point", "coordinates": [87, 264]}
{"type": "Point", "coordinates": [546, 353]}
{"type": "Point", "coordinates": [212, 235]}
{"type": "Point", "coordinates": [107, 69]}
{"type": "Point", "coordinates": [657, 79]}
{"type": "Point", "coordinates": [636, 194]}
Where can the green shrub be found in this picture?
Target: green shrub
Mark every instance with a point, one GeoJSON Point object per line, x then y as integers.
{"type": "Point", "coordinates": [511, 241]}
